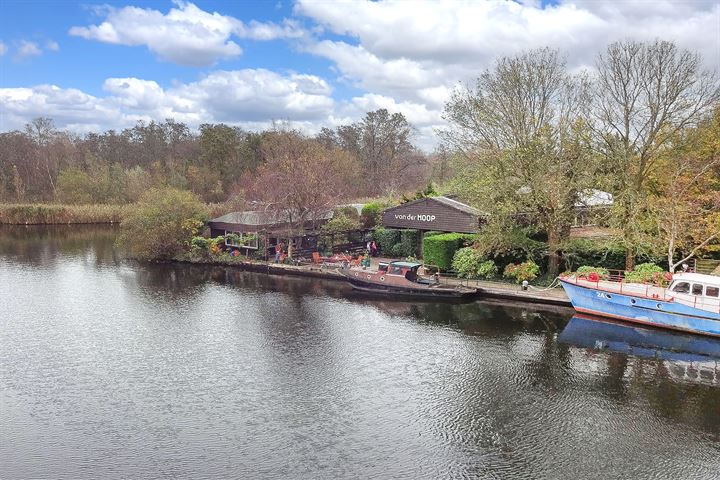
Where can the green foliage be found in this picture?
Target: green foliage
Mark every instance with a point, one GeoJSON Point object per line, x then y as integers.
{"type": "Point", "coordinates": [468, 262]}
{"type": "Point", "coordinates": [609, 253]}
{"type": "Point", "coordinates": [527, 270]}
{"type": "Point", "coordinates": [372, 214]}
{"type": "Point", "coordinates": [586, 270]}
{"type": "Point", "coordinates": [341, 222]}
{"type": "Point", "coordinates": [645, 273]}
{"type": "Point", "coordinates": [410, 241]}
{"type": "Point", "coordinates": [162, 224]}
{"type": "Point", "coordinates": [439, 250]}
{"type": "Point", "coordinates": [428, 191]}
{"type": "Point", "coordinates": [386, 238]}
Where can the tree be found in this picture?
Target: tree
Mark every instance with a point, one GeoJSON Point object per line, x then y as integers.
{"type": "Point", "coordinates": [162, 224]}
{"type": "Point", "coordinates": [381, 144]}
{"type": "Point", "coordinates": [686, 196]}
{"type": "Point", "coordinates": [644, 95]}
{"type": "Point", "coordinates": [523, 143]}
{"type": "Point", "coordinates": [301, 181]}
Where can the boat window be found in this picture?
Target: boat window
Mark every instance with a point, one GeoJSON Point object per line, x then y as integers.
{"type": "Point", "coordinates": [712, 292]}
{"type": "Point", "coordinates": [395, 270]}
{"type": "Point", "coordinates": [697, 289]}
{"type": "Point", "coordinates": [682, 287]}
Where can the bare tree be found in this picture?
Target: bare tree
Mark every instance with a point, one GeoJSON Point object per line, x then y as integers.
{"type": "Point", "coordinates": [524, 144]}
{"type": "Point", "coordinates": [645, 93]}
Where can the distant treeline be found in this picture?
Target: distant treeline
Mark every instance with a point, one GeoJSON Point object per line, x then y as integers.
{"type": "Point", "coordinates": [218, 161]}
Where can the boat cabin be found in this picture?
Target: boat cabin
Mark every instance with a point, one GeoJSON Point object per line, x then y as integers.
{"type": "Point", "coordinates": [702, 290]}
{"type": "Point", "coordinates": [696, 284]}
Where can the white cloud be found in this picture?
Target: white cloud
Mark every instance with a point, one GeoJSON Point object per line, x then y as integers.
{"type": "Point", "coordinates": [242, 97]}
{"type": "Point", "coordinates": [185, 35]}
{"type": "Point", "coordinates": [3, 49]}
{"type": "Point", "coordinates": [28, 49]}
{"type": "Point", "coordinates": [416, 54]}
{"type": "Point", "coordinates": [52, 46]}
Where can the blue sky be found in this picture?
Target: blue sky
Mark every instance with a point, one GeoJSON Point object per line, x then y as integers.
{"type": "Point", "coordinates": [94, 66]}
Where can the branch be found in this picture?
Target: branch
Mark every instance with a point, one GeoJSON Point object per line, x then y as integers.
{"type": "Point", "coordinates": [694, 250]}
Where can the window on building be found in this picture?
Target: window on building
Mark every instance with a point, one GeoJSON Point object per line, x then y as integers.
{"type": "Point", "coordinates": [682, 287]}
{"type": "Point", "coordinates": [247, 240]}
{"type": "Point", "coordinates": [697, 289]}
{"type": "Point", "coordinates": [712, 292]}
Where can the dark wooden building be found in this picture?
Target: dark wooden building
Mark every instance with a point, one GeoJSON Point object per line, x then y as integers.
{"type": "Point", "coordinates": [440, 214]}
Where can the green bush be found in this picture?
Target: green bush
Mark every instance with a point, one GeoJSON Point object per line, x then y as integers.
{"type": "Point", "coordinates": [439, 250]}
{"type": "Point", "coordinates": [469, 263]}
{"type": "Point", "coordinates": [645, 273]}
{"type": "Point", "coordinates": [527, 270]}
{"type": "Point", "coordinates": [386, 238]}
{"type": "Point", "coordinates": [162, 224]}
{"type": "Point", "coordinates": [341, 222]}
{"type": "Point", "coordinates": [372, 214]}
{"type": "Point", "coordinates": [586, 270]}
{"type": "Point", "coordinates": [586, 251]}
{"type": "Point", "coordinates": [410, 241]}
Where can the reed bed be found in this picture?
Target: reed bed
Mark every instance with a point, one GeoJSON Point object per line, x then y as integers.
{"type": "Point", "coordinates": [56, 214]}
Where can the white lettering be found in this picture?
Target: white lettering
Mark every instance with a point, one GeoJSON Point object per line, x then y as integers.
{"type": "Point", "coordinates": [412, 218]}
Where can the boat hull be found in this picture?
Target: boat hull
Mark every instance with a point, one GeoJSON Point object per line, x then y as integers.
{"type": "Point", "coordinates": [646, 311]}
{"type": "Point", "coordinates": [403, 288]}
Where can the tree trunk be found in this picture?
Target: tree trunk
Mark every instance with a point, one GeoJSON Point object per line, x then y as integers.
{"type": "Point", "coordinates": [553, 254]}
{"type": "Point", "coordinates": [629, 259]}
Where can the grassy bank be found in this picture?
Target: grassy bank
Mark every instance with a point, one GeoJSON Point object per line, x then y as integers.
{"type": "Point", "coordinates": [55, 214]}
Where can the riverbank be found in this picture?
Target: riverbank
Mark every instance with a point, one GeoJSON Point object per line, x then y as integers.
{"type": "Point", "coordinates": [486, 289]}
{"type": "Point", "coordinates": [59, 214]}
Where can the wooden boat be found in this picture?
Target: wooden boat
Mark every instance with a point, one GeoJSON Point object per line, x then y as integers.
{"type": "Point", "coordinates": [402, 279]}
{"type": "Point", "coordinates": [691, 303]}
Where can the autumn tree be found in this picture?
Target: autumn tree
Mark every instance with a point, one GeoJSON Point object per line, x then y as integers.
{"type": "Point", "coordinates": [685, 196]}
{"type": "Point", "coordinates": [301, 180]}
{"type": "Point", "coordinates": [645, 94]}
{"type": "Point", "coordinates": [523, 144]}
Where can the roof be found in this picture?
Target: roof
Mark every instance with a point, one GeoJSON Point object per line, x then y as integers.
{"type": "Point", "coordinates": [698, 277]}
{"type": "Point", "coordinates": [405, 264]}
{"type": "Point", "coordinates": [443, 200]}
{"type": "Point", "coordinates": [594, 198]}
{"type": "Point", "coordinates": [258, 218]}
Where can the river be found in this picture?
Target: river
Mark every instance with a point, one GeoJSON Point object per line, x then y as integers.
{"type": "Point", "coordinates": [113, 369]}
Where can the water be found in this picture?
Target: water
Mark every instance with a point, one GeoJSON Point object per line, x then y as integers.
{"type": "Point", "coordinates": [109, 369]}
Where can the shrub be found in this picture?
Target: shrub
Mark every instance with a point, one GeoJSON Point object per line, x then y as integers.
{"type": "Point", "coordinates": [371, 214]}
{"type": "Point", "coordinates": [586, 270]}
{"type": "Point", "coordinates": [341, 222]}
{"type": "Point", "coordinates": [527, 270]}
{"type": "Point", "coordinates": [585, 251]}
{"type": "Point", "coordinates": [386, 238]}
{"type": "Point", "coordinates": [439, 250]}
{"type": "Point", "coordinates": [162, 224]}
{"type": "Point", "coordinates": [646, 273]}
{"type": "Point", "coordinates": [410, 241]}
{"type": "Point", "coordinates": [469, 263]}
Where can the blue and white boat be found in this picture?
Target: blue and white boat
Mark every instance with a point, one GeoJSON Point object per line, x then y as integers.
{"type": "Point", "coordinates": [691, 303]}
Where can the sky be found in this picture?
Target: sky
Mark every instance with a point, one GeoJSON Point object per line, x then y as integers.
{"type": "Point", "coordinates": [310, 63]}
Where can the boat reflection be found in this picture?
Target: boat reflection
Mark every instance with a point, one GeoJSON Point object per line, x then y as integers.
{"type": "Point", "coordinates": [685, 356]}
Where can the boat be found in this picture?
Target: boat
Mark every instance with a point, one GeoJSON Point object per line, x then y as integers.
{"type": "Point", "coordinates": [691, 302]}
{"type": "Point", "coordinates": [402, 279]}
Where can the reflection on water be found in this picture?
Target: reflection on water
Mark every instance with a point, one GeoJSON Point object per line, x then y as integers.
{"type": "Point", "coordinates": [110, 369]}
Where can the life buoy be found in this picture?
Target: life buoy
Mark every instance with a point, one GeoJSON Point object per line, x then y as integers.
{"type": "Point", "coordinates": [382, 279]}
{"type": "Point", "coordinates": [369, 276]}
{"type": "Point", "coordinates": [593, 277]}
{"type": "Point", "coordinates": [357, 274]}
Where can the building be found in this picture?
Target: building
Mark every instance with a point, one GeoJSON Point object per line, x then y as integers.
{"type": "Point", "coordinates": [441, 214]}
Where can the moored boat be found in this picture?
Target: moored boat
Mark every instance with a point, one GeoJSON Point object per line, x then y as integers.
{"type": "Point", "coordinates": [402, 279]}
{"type": "Point", "coordinates": [691, 303]}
